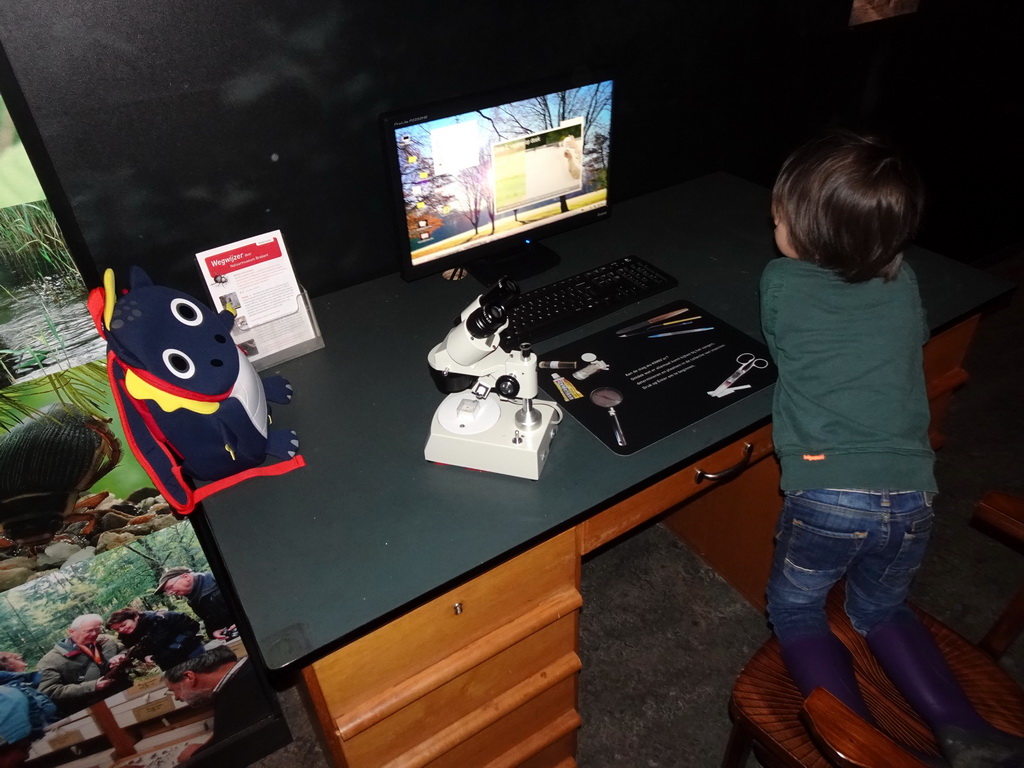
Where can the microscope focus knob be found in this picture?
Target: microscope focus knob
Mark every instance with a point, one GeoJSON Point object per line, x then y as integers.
{"type": "Point", "coordinates": [507, 386]}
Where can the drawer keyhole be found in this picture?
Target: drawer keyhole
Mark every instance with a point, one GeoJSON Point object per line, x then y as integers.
{"type": "Point", "coordinates": [458, 609]}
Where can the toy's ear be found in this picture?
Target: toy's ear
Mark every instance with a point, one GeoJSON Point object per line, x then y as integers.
{"type": "Point", "coordinates": [101, 307]}
{"type": "Point", "coordinates": [137, 278]}
{"type": "Point", "coordinates": [109, 297]}
{"type": "Point", "coordinates": [101, 303]}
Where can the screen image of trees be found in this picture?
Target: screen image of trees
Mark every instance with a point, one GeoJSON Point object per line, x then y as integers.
{"type": "Point", "coordinates": [448, 203]}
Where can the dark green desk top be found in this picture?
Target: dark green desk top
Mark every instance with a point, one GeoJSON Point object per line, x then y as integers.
{"type": "Point", "coordinates": [369, 529]}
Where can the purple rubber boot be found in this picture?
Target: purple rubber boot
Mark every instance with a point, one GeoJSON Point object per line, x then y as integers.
{"type": "Point", "coordinates": [822, 661]}
{"type": "Point", "coordinates": [913, 661]}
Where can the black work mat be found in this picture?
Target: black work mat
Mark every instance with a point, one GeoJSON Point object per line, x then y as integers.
{"type": "Point", "coordinates": [663, 380]}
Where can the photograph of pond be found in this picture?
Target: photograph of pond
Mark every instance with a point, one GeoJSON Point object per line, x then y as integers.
{"type": "Point", "coordinates": [43, 325]}
{"type": "Point", "coordinates": [118, 646]}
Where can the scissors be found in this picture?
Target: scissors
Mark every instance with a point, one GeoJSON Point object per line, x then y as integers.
{"type": "Point", "coordinates": [747, 361]}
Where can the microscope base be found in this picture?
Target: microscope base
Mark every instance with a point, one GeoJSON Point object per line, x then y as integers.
{"type": "Point", "coordinates": [493, 443]}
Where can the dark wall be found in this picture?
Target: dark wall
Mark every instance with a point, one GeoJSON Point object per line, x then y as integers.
{"type": "Point", "coordinates": [171, 132]}
{"type": "Point", "coordinates": [946, 84]}
{"type": "Point", "coordinates": [159, 132]}
{"type": "Point", "coordinates": [949, 87]}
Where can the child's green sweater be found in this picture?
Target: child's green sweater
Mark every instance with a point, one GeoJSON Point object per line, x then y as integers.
{"type": "Point", "coordinates": [850, 406]}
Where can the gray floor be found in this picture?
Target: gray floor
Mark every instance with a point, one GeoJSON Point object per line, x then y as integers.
{"type": "Point", "coordinates": [662, 637]}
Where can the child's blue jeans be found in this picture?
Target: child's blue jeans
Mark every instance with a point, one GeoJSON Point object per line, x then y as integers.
{"type": "Point", "coordinates": [875, 538]}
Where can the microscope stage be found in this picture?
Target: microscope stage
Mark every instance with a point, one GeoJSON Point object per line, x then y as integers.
{"type": "Point", "coordinates": [483, 434]}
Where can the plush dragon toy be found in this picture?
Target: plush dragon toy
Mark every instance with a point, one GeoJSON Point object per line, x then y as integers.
{"type": "Point", "coordinates": [191, 403]}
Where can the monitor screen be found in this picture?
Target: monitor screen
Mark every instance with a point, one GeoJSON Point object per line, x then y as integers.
{"type": "Point", "coordinates": [479, 181]}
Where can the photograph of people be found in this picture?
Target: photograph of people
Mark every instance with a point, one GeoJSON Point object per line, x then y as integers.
{"type": "Point", "coordinates": [133, 683]}
{"type": "Point", "coordinates": [221, 678]}
{"type": "Point", "coordinates": [75, 672]}
{"type": "Point", "coordinates": [24, 710]}
{"type": "Point", "coordinates": [85, 537]}
{"type": "Point", "coordinates": [164, 638]}
{"type": "Point", "coordinates": [203, 595]}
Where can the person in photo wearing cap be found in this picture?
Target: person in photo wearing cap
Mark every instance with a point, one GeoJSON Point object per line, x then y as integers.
{"type": "Point", "coordinates": [203, 595]}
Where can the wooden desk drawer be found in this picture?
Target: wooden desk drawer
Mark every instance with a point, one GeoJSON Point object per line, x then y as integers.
{"type": "Point", "coordinates": [668, 493]}
{"type": "Point", "coordinates": [549, 718]}
{"type": "Point", "coordinates": [559, 754]}
{"type": "Point", "coordinates": [469, 703]}
{"type": "Point", "coordinates": [732, 528]}
{"type": "Point", "coordinates": [377, 676]}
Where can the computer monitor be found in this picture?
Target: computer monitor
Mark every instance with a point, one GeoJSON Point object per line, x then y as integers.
{"type": "Point", "coordinates": [479, 181]}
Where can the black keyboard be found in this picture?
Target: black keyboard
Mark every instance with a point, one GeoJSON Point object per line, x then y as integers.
{"type": "Point", "coordinates": [566, 304]}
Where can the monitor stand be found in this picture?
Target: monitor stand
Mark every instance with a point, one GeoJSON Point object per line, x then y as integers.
{"type": "Point", "coordinates": [526, 260]}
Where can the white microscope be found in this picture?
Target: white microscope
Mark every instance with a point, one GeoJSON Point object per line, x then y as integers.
{"type": "Point", "coordinates": [489, 420]}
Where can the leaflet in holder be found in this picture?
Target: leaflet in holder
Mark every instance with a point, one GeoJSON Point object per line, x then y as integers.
{"type": "Point", "coordinates": [254, 279]}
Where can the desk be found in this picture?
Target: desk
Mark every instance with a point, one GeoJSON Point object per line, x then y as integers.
{"type": "Point", "coordinates": [405, 591]}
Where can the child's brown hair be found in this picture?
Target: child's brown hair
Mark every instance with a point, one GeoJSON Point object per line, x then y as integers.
{"type": "Point", "coordinates": [851, 203]}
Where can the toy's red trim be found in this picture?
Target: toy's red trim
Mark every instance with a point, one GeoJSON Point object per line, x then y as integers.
{"type": "Point", "coordinates": [120, 394]}
{"type": "Point", "coordinates": [191, 497]}
{"type": "Point", "coordinates": [274, 469]}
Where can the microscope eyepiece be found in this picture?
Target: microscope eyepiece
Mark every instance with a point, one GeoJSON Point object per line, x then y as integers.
{"type": "Point", "coordinates": [504, 292]}
{"type": "Point", "coordinates": [494, 307]}
{"type": "Point", "coordinates": [486, 321]}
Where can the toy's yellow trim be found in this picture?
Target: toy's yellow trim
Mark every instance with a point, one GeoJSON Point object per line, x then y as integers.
{"type": "Point", "coordinates": [109, 297]}
{"type": "Point", "coordinates": [140, 390]}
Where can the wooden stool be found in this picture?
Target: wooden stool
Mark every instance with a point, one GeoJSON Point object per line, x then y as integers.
{"type": "Point", "coordinates": [768, 712]}
{"type": "Point", "coordinates": [1001, 516]}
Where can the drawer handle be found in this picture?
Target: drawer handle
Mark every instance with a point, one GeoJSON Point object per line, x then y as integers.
{"type": "Point", "coordinates": [731, 472]}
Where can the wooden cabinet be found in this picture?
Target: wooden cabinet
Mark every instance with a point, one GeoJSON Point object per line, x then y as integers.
{"type": "Point", "coordinates": [732, 528]}
{"type": "Point", "coordinates": [701, 476]}
{"type": "Point", "coordinates": [484, 675]}
{"type": "Point", "coordinates": [724, 507]}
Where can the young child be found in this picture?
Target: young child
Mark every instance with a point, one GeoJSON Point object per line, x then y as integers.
{"type": "Point", "coordinates": [845, 326]}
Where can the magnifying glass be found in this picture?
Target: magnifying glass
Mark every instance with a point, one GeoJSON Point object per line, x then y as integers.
{"type": "Point", "coordinates": [607, 397]}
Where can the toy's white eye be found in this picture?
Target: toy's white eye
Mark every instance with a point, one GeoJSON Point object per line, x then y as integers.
{"type": "Point", "coordinates": [187, 312]}
{"type": "Point", "coordinates": [179, 363]}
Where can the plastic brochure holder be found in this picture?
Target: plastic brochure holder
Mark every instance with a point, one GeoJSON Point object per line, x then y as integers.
{"type": "Point", "coordinates": [284, 338]}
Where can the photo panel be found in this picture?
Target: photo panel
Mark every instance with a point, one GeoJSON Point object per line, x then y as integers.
{"type": "Point", "coordinates": [118, 647]}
